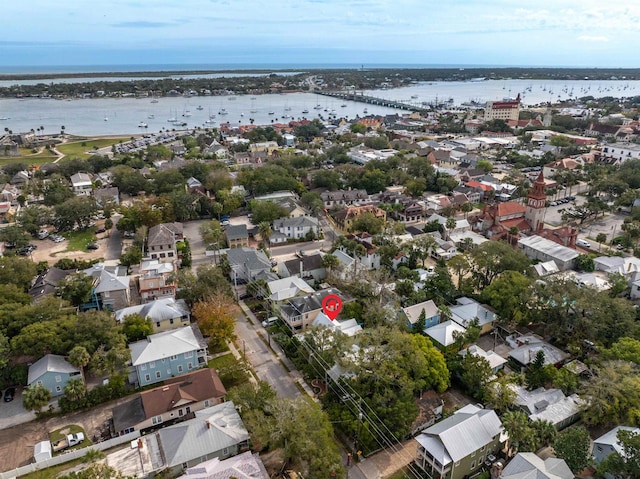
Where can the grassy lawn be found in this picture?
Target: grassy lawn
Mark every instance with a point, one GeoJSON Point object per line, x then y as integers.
{"type": "Point", "coordinates": [28, 160]}
{"type": "Point", "coordinates": [79, 149]}
{"type": "Point", "coordinates": [70, 429]}
{"type": "Point", "coordinates": [232, 372]}
{"type": "Point", "coordinates": [79, 240]}
{"type": "Point", "coordinates": [52, 472]}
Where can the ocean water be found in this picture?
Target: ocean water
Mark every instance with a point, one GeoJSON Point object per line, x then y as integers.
{"type": "Point", "coordinates": [111, 116]}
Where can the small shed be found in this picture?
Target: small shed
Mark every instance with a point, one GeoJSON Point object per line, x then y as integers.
{"type": "Point", "coordinates": [42, 451]}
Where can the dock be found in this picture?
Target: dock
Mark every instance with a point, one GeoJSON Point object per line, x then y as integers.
{"type": "Point", "coordinates": [372, 100]}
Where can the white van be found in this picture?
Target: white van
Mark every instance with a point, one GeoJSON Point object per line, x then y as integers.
{"type": "Point", "coordinates": [583, 243]}
{"type": "Point", "coordinates": [269, 321]}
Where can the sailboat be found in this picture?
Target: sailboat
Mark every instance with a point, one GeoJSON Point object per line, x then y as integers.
{"type": "Point", "coordinates": [200, 108]}
{"type": "Point", "coordinates": [106, 118]}
{"type": "Point", "coordinates": [172, 118]}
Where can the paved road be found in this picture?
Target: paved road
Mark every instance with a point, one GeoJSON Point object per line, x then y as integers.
{"type": "Point", "coordinates": [265, 363]}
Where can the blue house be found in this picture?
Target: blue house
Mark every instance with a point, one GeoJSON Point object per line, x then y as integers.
{"type": "Point", "coordinates": [53, 372]}
{"type": "Point", "coordinates": [431, 314]}
{"type": "Point", "coordinates": [168, 354]}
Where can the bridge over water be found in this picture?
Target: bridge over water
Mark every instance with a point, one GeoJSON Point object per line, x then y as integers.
{"type": "Point", "coordinates": [372, 100]}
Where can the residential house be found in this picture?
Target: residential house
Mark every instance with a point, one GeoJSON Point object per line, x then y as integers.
{"type": "Point", "coordinates": [528, 465]}
{"type": "Point", "coordinates": [111, 290]}
{"type": "Point", "coordinates": [608, 443]}
{"type": "Point", "coordinates": [244, 466]}
{"type": "Point", "coordinates": [496, 362]}
{"type": "Point", "coordinates": [164, 314]}
{"type": "Point", "coordinates": [156, 286]}
{"type": "Point", "coordinates": [176, 400]}
{"type": "Point", "coordinates": [443, 333]}
{"type": "Point", "coordinates": [345, 218]}
{"type": "Point", "coordinates": [308, 267]}
{"type": "Point", "coordinates": [287, 288]}
{"type": "Point", "coordinates": [549, 405]}
{"type": "Point", "coordinates": [348, 327]}
{"type": "Point", "coordinates": [167, 354]}
{"type": "Point", "coordinates": [46, 283]}
{"type": "Point", "coordinates": [237, 236]}
{"type": "Point", "coordinates": [107, 196]}
{"type": "Point", "coordinates": [247, 264]}
{"type": "Point", "coordinates": [469, 309]}
{"type": "Point", "coordinates": [300, 312]}
{"type": "Point", "coordinates": [457, 446]}
{"type": "Point", "coordinates": [161, 241]}
{"type": "Point", "coordinates": [526, 348]}
{"type": "Point", "coordinates": [53, 372]}
{"type": "Point", "coordinates": [429, 309]}
{"type": "Point", "coordinates": [81, 184]}
{"type": "Point", "coordinates": [618, 153]}
{"type": "Point", "coordinates": [215, 432]}
{"type": "Point", "coordinates": [302, 227]}
{"type": "Point", "coordinates": [502, 110]}
{"type": "Point", "coordinates": [343, 198]}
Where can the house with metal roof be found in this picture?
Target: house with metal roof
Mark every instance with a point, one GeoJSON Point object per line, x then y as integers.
{"type": "Point", "coordinates": [608, 443]}
{"type": "Point", "coordinates": [542, 249]}
{"type": "Point", "coordinates": [53, 372]}
{"type": "Point", "coordinates": [81, 184]}
{"type": "Point", "coordinates": [309, 267]}
{"type": "Point", "coordinates": [496, 362]}
{"type": "Point", "coordinates": [526, 348]}
{"type": "Point", "coordinates": [443, 333]}
{"type": "Point", "coordinates": [165, 313]}
{"type": "Point", "coordinates": [469, 309]}
{"type": "Point", "coordinates": [297, 228]}
{"type": "Point", "coordinates": [113, 290]}
{"type": "Point", "coordinates": [243, 466]}
{"type": "Point", "coordinates": [167, 354]}
{"type": "Point", "coordinates": [287, 288]}
{"type": "Point", "coordinates": [549, 405]}
{"type": "Point", "coordinates": [176, 400]}
{"type": "Point", "coordinates": [458, 445]}
{"type": "Point", "coordinates": [526, 465]}
{"type": "Point", "coordinates": [215, 432]}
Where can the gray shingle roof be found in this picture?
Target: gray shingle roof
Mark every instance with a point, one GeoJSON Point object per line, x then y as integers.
{"type": "Point", "coordinates": [236, 232]}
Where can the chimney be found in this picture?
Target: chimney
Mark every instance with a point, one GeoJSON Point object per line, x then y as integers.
{"type": "Point", "coordinates": [208, 424]}
{"type": "Point", "coordinates": [140, 445]}
{"type": "Point", "coordinates": [301, 267]}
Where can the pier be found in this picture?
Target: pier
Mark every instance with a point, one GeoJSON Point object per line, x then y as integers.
{"type": "Point", "coordinates": [372, 100]}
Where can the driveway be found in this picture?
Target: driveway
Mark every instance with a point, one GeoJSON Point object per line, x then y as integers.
{"type": "Point", "coordinates": [13, 413]}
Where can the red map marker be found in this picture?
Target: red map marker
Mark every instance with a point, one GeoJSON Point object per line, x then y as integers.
{"type": "Point", "coordinates": [331, 306]}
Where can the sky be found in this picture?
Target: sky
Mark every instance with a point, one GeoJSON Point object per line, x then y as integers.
{"type": "Point", "coordinates": [586, 33]}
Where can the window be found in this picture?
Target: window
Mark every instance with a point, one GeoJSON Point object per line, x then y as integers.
{"type": "Point", "coordinates": [158, 374]}
{"type": "Point", "coordinates": [58, 389]}
{"type": "Point", "coordinates": [188, 354]}
{"type": "Point", "coordinates": [170, 254]}
{"type": "Point", "coordinates": [156, 420]}
{"type": "Point", "coordinates": [158, 324]}
{"type": "Point", "coordinates": [225, 451]}
{"type": "Point", "coordinates": [152, 365]}
{"type": "Point", "coordinates": [147, 377]}
{"type": "Point", "coordinates": [180, 413]}
{"type": "Point", "coordinates": [179, 368]}
{"type": "Point", "coordinates": [168, 372]}
{"type": "Point", "coordinates": [473, 464]}
{"type": "Point", "coordinates": [473, 453]}
{"type": "Point", "coordinates": [457, 464]}
{"type": "Point", "coordinates": [188, 409]}
{"type": "Point", "coordinates": [143, 367]}
{"type": "Point", "coordinates": [483, 447]}
{"type": "Point", "coordinates": [189, 366]}
{"type": "Point", "coordinates": [58, 378]}
{"type": "Point", "coordinates": [206, 403]}
{"type": "Point", "coordinates": [171, 321]}
{"type": "Point", "coordinates": [174, 357]}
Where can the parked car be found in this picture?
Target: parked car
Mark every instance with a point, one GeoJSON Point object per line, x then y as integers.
{"type": "Point", "coordinates": [269, 321]}
{"type": "Point", "coordinates": [92, 246]}
{"type": "Point", "coordinates": [9, 394]}
{"type": "Point", "coordinates": [100, 230]}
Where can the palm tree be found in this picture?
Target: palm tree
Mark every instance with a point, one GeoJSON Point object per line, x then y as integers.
{"type": "Point", "coordinates": [35, 397]}
{"type": "Point", "coordinates": [330, 261]}
{"type": "Point", "coordinates": [75, 389]}
{"type": "Point", "coordinates": [79, 357]}
{"type": "Point", "coordinates": [264, 228]}
{"type": "Point", "coordinates": [516, 423]}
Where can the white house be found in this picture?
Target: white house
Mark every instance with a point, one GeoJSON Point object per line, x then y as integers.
{"type": "Point", "coordinates": [81, 184]}
{"type": "Point", "coordinates": [295, 228]}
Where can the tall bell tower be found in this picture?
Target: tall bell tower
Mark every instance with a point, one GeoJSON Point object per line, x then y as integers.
{"type": "Point", "coordinates": [536, 204]}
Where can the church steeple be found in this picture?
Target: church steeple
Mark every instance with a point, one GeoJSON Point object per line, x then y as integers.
{"type": "Point", "coordinates": [536, 204]}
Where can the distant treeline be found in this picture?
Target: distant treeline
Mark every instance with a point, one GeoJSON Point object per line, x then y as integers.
{"type": "Point", "coordinates": [276, 81]}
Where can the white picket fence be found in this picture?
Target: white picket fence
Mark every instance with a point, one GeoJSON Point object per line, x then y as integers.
{"type": "Point", "coordinates": [69, 456]}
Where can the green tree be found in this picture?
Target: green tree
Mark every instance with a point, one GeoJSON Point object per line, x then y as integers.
{"type": "Point", "coordinates": [265, 231]}
{"type": "Point", "coordinates": [267, 211]}
{"type": "Point", "coordinates": [132, 256]}
{"type": "Point", "coordinates": [216, 318]}
{"type": "Point", "coordinates": [601, 238]}
{"type": "Point", "coordinates": [79, 357]}
{"type": "Point", "coordinates": [17, 271]}
{"type": "Point", "coordinates": [475, 373]}
{"type": "Point", "coordinates": [521, 434]}
{"type": "Point", "coordinates": [572, 445]}
{"type": "Point", "coordinates": [35, 397]}
{"type": "Point", "coordinates": [509, 294]}
{"type": "Point", "coordinates": [135, 327]}
{"type": "Point", "coordinates": [76, 211]}
{"type": "Point", "coordinates": [76, 288]}
{"type": "Point", "coordinates": [14, 236]}
{"type": "Point", "coordinates": [485, 165]}
{"type": "Point", "coordinates": [584, 262]}
{"type": "Point", "coordinates": [368, 222]}
{"type": "Point", "coordinates": [535, 375]}
{"type": "Point", "coordinates": [500, 395]}
{"type": "Point", "coordinates": [330, 262]}
{"type": "Point", "coordinates": [625, 349]}
{"type": "Point", "coordinates": [627, 463]}
{"type": "Point", "coordinates": [495, 257]}
{"type": "Point", "coordinates": [75, 390]}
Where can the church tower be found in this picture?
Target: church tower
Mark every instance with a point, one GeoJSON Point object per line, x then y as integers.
{"type": "Point", "coordinates": [536, 205]}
